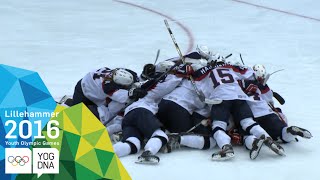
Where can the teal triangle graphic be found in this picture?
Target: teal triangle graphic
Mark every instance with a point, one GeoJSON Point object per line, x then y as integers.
{"type": "Point", "coordinates": [14, 97]}
{"type": "Point", "coordinates": [7, 80]}
{"type": "Point", "coordinates": [31, 94]}
{"type": "Point", "coordinates": [47, 104]}
{"type": "Point", "coordinates": [35, 81]}
{"type": "Point", "coordinates": [18, 72]}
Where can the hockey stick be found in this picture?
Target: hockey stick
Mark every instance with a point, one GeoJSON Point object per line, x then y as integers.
{"type": "Point", "coordinates": [151, 85]}
{"type": "Point", "coordinates": [228, 56]}
{"type": "Point", "coordinates": [277, 71]}
{"type": "Point", "coordinates": [204, 122]}
{"type": "Point", "coordinates": [268, 76]}
{"type": "Point", "coordinates": [278, 98]}
{"type": "Point", "coordinates": [199, 93]}
{"type": "Point", "coordinates": [280, 117]}
{"type": "Point", "coordinates": [277, 112]}
{"type": "Point", "coordinates": [158, 53]}
{"type": "Point", "coordinates": [241, 59]}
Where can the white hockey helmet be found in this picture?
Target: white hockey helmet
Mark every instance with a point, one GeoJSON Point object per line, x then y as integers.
{"type": "Point", "coordinates": [164, 66]}
{"type": "Point", "coordinates": [260, 72]}
{"type": "Point", "coordinates": [217, 57]}
{"type": "Point", "coordinates": [122, 77]}
{"type": "Point", "coordinates": [202, 62]}
{"type": "Point", "coordinates": [203, 51]}
{"type": "Point", "coordinates": [197, 63]}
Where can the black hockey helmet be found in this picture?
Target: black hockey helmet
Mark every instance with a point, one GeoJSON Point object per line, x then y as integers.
{"type": "Point", "coordinates": [149, 70]}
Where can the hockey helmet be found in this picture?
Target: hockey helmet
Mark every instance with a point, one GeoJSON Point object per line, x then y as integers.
{"type": "Point", "coordinates": [122, 77]}
{"type": "Point", "coordinates": [203, 51]}
{"type": "Point", "coordinates": [260, 72]}
{"type": "Point", "coordinates": [164, 66]}
{"type": "Point", "coordinates": [148, 71]}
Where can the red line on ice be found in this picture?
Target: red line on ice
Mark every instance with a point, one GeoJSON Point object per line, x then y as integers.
{"type": "Point", "coordinates": [189, 34]}
{"type": "Point", "coordinates": [277, 10]}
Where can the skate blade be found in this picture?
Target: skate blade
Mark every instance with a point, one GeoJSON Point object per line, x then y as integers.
{"type": "Point", "coordinates": [305, 134]}
{"type": "Point", "coordinates": [220, 158]}
{"type": "Point", "coordinates": [63, 99]}
{"type": "Point", "coordinates": [254, 154]}
{"type": "Point", "coordinates": [277, 150]}
{"type": "Point", "coordinates": [149, 160]}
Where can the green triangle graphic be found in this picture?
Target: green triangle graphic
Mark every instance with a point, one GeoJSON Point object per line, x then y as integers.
{"type": "Point", "coordinates": [113, 170]}
{"type": "Point", "coordinates": [90, 161]}
{"type": "Point", "coordinates": [73, 141]}
{"type": "Point", "coordinates": [59, 118]}
{"type": "Point", "coordinates": [105, 159]}
{"type": "Point", "coordinates": [66, 149]}
{"type": "Point", "coordinates": [84, 173]}
{"type": "Point", "coordinates": [67, 170]}
{"type": "Point", "coordinates": [94, 137]}
{"type": "Point", "coordinates": [75, 115]}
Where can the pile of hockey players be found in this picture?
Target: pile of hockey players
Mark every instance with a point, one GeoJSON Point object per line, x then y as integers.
{"type": "Point", "coordinates": [198, 101]}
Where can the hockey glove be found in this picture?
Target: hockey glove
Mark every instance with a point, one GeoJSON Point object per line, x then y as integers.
{"type": "Point", "coordinates": [236, 137]}
{"type": "Point", "coordinates": [136, 93]}
{"type": "Point", "coordinates": [251, 89]}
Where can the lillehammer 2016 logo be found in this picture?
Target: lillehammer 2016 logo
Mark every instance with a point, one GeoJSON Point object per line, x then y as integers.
{"type": "Point", "coordinates": [40, 137]}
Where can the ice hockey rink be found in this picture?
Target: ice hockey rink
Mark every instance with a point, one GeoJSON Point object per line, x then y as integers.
{"type": "Point", "coordinates": [65, 39]}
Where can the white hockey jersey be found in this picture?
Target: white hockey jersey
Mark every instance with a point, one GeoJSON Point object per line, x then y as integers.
{"type": "Point", "coordinates": [110, 110]}
{"type": "Point", "coordinates": [98, 87]}
{"type": "Point", "coordinates": [186, 97]}
{"type": "Point", "coordinates": [222, 82]}
{"type": "Point", "coordinates": [152, 99]}
{"type": "Point", "coordinates": [260, 99]}
{"type": "Point", "coordinates": [94, 86]}
{"type": "Point", "coordinates": [259, 106]}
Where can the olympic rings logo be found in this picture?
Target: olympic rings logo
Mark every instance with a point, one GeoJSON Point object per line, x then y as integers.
{"type": "Point", "coordinates": [18, 160]}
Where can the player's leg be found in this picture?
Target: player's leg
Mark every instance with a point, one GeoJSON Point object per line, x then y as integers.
{"type": "Point", "coordinates": [278, 129]}
{"type": "Point", "coordinates": [79, 97]}
{"type": "Point", "coordinates": [220, 114]}
{"type": "Point", "coordinates": [131, 142]}
{"type": "Point", "coordinates": [272, 124]}
{"type": "Point", "coordinates": [202, 139]}
{"type": "Point", "coordinates": [132, 137]}
{"type": "Point", "coordinates": [150, 127]}
{"type": "Point", "coordinates": [243, 115]}
{"type": "Point", "coordinates": [175, 118]}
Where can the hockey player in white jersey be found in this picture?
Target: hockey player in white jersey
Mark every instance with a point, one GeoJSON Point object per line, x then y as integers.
{"type": "Point", "coordinates": [200, 57]}
{"type": "Point", "coordinates": [105, 91]}
{"type": "Point", "coordinates": [141, 123]}
{"type": "Point", "coordinates": [182, 109]}
{"type": "Point", "coordinates": [221, 83]}
{"type": "Point", "coordinates": [263, 111]}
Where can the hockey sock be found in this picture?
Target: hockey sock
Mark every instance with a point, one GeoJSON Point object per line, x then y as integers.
{"type": "Point", "coordinates": [248, 141]}
{"type": "Point", "coordinates": [157, 140]}
{"type": "Point", "coordinates": [192, 141]}
{"type": "Point", "coordinates": [197, 142]}
{"type": "Point", "coordinates": [251, 127]}
{"type": "Point", "coordinates": [153, 145]}
{"type": "Point", "coordinates": [130, 146]}
{"type": "Point", "coordinates": [219, 133]}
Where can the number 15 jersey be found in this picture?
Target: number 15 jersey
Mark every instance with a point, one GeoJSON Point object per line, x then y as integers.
{"type": "Point", "coordinates": [222, 82]}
